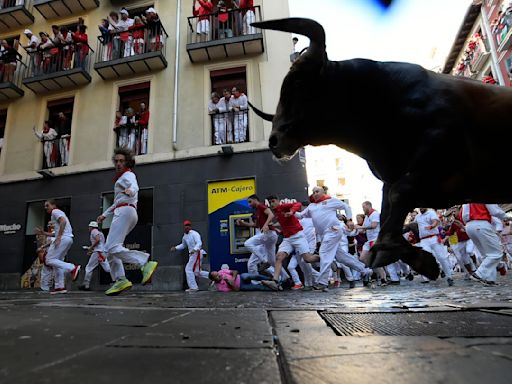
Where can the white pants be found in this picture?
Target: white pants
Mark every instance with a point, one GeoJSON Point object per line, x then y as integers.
{"type": "Point", "coordinates": [252, 263]}
{"type": "Point", "coordinates": [461, 253]}
{"type": "Point", "coordinates": [310, 275]}
{"type": "Point", "coordinates": [430, 244]}
{"type": "Point", "coordinates": [247, 28]}
{"type": "Point", "coordinates": [193, 269]}
{"type": "Point", "coordinates": [263, 246]}
{"type": "Point", "coordinates": [328, 249]}
{"type": "Point", "coordinates": [393, 270]}
{"type": "Point", "coordinates": [64, 149]}
{"type": "Point", "coordinates": [240, 126]}
{"type": "Point", "coordinates": [46, 277]}
{"type": "Point", "coordinates": [55, 259]}
{"type": "Point", "coordinates": [345, 258]}
{"type": "Point", "coordinates": [487, 242]}
{"type": "Point", "coordinates": [144, 141]}
{"type": "Point", "coordinates": [203, 27]}
{"type": "Point", "coordinates": [94, 260]}
{"type": "Point", "coordinates": [125, 219]}
{"type": "Point", "coordinates": [48, 150]}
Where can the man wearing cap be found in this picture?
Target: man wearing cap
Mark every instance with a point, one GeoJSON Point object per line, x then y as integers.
{"type": "Point", "coordinates": [154, 26]}
{"type": "Point", "coordinates": [123, 25]}
{"type": "Point", "coordinates": [31, 48]}
{"type": "Point", "coordinates": [192, 241]}
{"type": "Point", "coordinates": [96, 250]}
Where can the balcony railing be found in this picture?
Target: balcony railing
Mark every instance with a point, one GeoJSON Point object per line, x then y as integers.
{"type": "Point", "coordinates": [218, 36]}
{"type": "Point", "coordinates": [230, 127]}
{"type": "Point", "coordinates": [480, 55]}
{"type": "Point", "coordinates": [10, 82]}
{"type": "Point", "coordinates": [133, 137]}
{"type": "Point", "coordinates": [56, 68]}
{"type": "Point", "coordinates": [56, 152]}
{"type": "Point", "coordinates": [138, 50]}
{"type": "Point", "coordinates": [51, 9]}
{"type": "Point", "coordinates": [15, 14]}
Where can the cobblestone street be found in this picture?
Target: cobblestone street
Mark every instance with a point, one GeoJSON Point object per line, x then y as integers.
{"type": "Point", "coordinates": [461, 334]}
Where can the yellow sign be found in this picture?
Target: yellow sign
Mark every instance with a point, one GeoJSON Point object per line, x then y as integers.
{"type": "Point", "coordinates": [222, 193]}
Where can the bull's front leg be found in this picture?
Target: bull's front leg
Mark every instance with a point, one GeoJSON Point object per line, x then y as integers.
{"type": "Point", "coordinates": [397, 202]}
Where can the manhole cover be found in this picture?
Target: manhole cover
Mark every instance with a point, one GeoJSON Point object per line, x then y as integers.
{"type": "Point", "coordinates": [440, 324]}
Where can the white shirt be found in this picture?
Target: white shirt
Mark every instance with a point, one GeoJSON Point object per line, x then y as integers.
{"type": "Point", "coordinates": [494, 210]}
{"type": "Point", "coordinates": [345, 233]}
{"type": "Point", "coordinates": [33, 40]}
{"type": "Point", "coordinates": [128, 180]}
{"type": "Point", "coordinates": [212, 107]}
{"type": "Point", "coordinates": [424, 220]}
{"type": "Point", "coordinates": [225, 106]}
{"type": "Point", "coordinates": [372, 234]}
{"type": "Point", "coordinates": [240, 102]}
{"type": "Point", "coordinates": [56, 215]}
{"type": "Point", "coordinates": [323, 214]}
{"type": "Point", "coordinates": [192, 241]}
{"type": "Point", "coordinates": [309, 231]}
{"type": "Point", "coordinates": [497, 224]}
{"type": "Point", "coordinates": [50, 135]}
{"type": "Point", "coordinates": [100, 247]}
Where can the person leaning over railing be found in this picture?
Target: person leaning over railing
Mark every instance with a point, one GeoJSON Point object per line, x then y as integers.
{"type": "Point", "coordinates": [137, 36]}
{"type": "Point", "coordinates": [155, 29]}
{"type": "Point", "coordinates": [8, 58]}
{"type": "Point", "coordinates": [81, 41]}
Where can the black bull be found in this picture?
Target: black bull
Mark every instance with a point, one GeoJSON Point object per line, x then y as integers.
{"type": "Point", "coordinates": [434, 140]}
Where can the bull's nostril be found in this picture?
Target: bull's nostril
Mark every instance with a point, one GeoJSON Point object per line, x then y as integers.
{"type": "Point", "coordinates": [272, 141]}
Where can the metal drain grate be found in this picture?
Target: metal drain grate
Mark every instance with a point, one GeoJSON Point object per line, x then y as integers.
{"type": "Point", "coordinates": [440, 324]}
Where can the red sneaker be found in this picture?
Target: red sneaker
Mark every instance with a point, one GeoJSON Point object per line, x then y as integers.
{"type": "Point", "coordinates": [74, 272]}
{"type": "Point", "coordinates": [56, 291]}
{"type": "Point", "coordinates": [296, 287]}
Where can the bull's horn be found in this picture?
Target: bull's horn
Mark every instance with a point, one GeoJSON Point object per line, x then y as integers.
{"type": "Point", "coordinates": [306, 27]}
{"type": "Point", "coordinates": [263, 115]}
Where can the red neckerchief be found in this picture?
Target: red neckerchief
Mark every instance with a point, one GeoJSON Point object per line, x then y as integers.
{"type": "Point", "coordinates": [371, 211]}
{"type": "Point", "coordinates": [322, 198]}
{"type": "Point", "coordinates": [119, 174]}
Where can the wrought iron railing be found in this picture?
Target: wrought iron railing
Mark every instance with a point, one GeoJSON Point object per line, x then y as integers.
{"type": "Point", "coordinates": [230, 127]}
{"type": "Point", "coordinates": [56, 152]}
{"type": "Point", "coordinates": [5, 4]}
{"type": "Point", "coordinates": [135, 41]}
{"type": "Point", "coordinates": [133, 137]}
{"type": "Point", "coordinates": [12, 75]}
{"type": "Point", "coordinates": [223, 25]}
{"type": "Point", "coordinates": [57, 59]}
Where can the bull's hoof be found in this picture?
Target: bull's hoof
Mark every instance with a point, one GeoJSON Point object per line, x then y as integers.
{"type": "Point", "coordinates": [422, 262]}
{"type": "Point", "coordinates": [418, 259]}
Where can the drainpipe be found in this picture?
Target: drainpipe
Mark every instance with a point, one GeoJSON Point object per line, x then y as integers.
{"type": "Point", "coordinates": [176, 77]}
{"type": "Point", "coordinates": [494, 51]}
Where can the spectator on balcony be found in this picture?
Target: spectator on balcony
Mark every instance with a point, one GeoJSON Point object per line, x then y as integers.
{"type": "Point", "coordinates": [225, 106]}
{"type": "Point", "coordinates": [47, 137]}
{"type": "Point", "coordinates": [82, 46]}
{"type": "Point", "coordinates": [203, 24]}
{"type": "Point", "coordinates": [66, 41]}
{"type": "Point", "coordinates": [126, 40]}
{"type": "Point", "coordinates": [142, 120]}
{"type": "Point", "coordinates": [31, 49]}
{"type": "Point", "coordinates": [45, 52]}
{"type": "Point", "coordinates": [218, 124]}
{"type": "Point", "coordinates": [8, 59]}
{"type": "Point", "coordinates": [127, 131]}
{"type": "Point", "coordinates": [154, 26]}
{"type": "Point", "coordinates": [105, 39]}
{"type": "Point", "coordinates": [248, 17]}
{"type": "Point", "coordinates": [137, 34]}
{"type": "Point", "coordinates": [240, 106]}
{"type": "Point", "coordinates": [64, 130]}
{"type": "Point", "coordinates": [224, 20]}
{"type": "Point", "coordinates": [114, 29]}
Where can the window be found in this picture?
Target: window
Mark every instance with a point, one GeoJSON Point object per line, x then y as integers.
{"type": "Point", "coordinates": [139, 11]}
{"type": "Point", "coordinates": [320, 183]}
{"type": "Point", "coordinates": [55, 135]}
{"type": "Point", "coordinates": [341, 181]}
{"type": "Point", "coordinates": [3, 120]}
{"type": "Point", "coordinates": [132, 118]}
{"type": "Point", "coordinates": [339, 164]}
{"type": "Point", "coordinates": [229, 111]}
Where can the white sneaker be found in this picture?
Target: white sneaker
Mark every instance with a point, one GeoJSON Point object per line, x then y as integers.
{"type": "Point", "coordinates": [192, 290]}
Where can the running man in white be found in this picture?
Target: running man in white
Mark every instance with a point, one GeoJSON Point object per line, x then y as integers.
{"type": "Point", "coordinates": [327, 226]}
{"type": "Point", "coordinates": [97, 252]}
{"type": "Point", "coordinates": [124, 209]}
{"type": "Point", "coordinates": [428, 223]}
{"type": "Point", "coordinates": [192, 241]}
{"type": "Point", "coordinates": [60, 246]}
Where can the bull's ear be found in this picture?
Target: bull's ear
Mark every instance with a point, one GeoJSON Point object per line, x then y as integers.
{"type": "Point", "coordinates": [263, 115]}
{"type": "Point", "coordinates": [301, 26]}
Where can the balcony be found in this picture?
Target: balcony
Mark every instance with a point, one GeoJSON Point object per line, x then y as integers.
{"type": "Point", "coordinates": [230, 127]}
{"type": "Point", "coordinates": [10, 85]}
{"type": "Point", "coordinates": [134, 137]}
{"type": "Point", "coordinates": [224, 39]}
{"type": "Point", "coordinates": [480, 56]}
{"type": "Point", "coordinates": [15, 14]}
{"type": "Point", "coordinates": [51, 9]}
{"type": "Point", "coordinates": [55, 69]}
{"type": "Point", "coordinates": [132, 52]}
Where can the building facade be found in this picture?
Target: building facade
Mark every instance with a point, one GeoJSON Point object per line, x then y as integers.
{"type": "Point", "coordinates": [90, 90]}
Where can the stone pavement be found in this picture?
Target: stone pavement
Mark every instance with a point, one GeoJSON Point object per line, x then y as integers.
{"type": "Point", "coordinates": [412, 333]}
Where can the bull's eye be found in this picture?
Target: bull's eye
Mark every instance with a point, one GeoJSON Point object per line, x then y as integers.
{"type": "Point", "coordinates": [272, 141]}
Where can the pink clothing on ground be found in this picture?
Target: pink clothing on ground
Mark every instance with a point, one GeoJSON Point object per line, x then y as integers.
{"type": "Point", "coordinates": [223, 286]}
